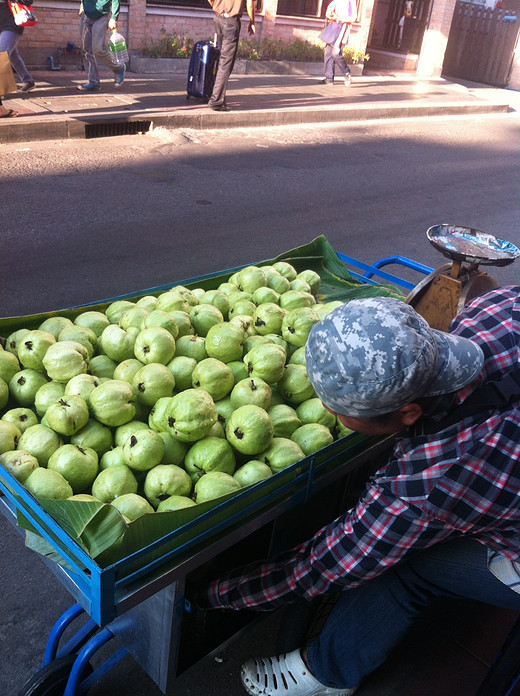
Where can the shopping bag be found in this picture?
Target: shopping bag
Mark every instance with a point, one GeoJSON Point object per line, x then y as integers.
{"type": "Point", "coordinates": [24, 15]}
{"type": "Point", "coordinates": [7, 83]}
{"type": "Point", "coordinates": [330, 33]}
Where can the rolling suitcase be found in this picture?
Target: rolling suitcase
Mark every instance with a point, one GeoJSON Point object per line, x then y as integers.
{"type": "Point", "coordinates": [202, 70]}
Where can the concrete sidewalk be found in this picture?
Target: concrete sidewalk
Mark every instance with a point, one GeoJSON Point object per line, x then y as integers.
{"type": "Point", "coordinates": [57, 110]}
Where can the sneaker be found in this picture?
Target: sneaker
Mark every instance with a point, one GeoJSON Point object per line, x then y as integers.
{"type": "Point", "coordinates": [26, 87]}
{"type": "Point", "coordinates": [119, 77]}
{"type": "Point", "coordinates": [89, 87]}
{"type": "Point", "coordinates": [286, 675]}
{"type": "Point", "coordinates": [348, 80]}
{"type": "Point", "coordinates": [326, 81]}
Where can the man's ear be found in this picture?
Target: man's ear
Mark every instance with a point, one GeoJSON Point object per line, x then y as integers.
{"type": "Point", "coordinates": [410, 413]}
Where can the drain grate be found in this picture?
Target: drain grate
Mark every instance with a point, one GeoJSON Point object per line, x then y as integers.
{"type": "Point", "coordinates": [107, 130]}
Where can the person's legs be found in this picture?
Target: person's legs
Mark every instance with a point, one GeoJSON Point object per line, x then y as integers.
{"type": "Point", "coordinates": [328, 58]}
{"type": "Point", "coordinates": [228, 33]}
{"type": "Point", "coordinates": [9, 42]}
{"type": "Point", "coordinates": [86, 49]}
{"type": "Point", "coordinates": [339, 59]}
{"type": "Point", "coordinates": [369, 621]}
{"type": "Point", "coordinates": [99, 35]}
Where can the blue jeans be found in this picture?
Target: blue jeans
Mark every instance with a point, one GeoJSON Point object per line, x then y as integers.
{"type": "Point", "coordinates": [9, 42]}
{"type": "Point", "coordinates": [369, 621]}
{"type": "Point", "coordinates": [331, 56]}
{"type": "Point", "coordinates": [228, 34]}
{"type": "Point", "coordinates": [93, 34]}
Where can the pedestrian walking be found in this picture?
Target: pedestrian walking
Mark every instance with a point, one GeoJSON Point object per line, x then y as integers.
{"type": "Point", "coordinates": [341, 13]}
{"type": "Point", "coordinates": [228, 14]}
{"type": "Point", "coordinates": [10, 35]}
{"type": "Point", "coordinates": [439, 520]}
{"type": "Point", "coordinates": [96, 17]}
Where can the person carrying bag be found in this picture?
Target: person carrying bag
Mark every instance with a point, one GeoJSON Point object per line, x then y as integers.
{"type": "Point", "coordinates": [339, 15]}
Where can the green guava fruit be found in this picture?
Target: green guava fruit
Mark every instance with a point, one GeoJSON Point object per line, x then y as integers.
{"type": "Point", "coordinates": [12, 341]}
{"type": "Point", "coordinates": [134, 316]}
{"type": "Point", "coordinates": [191, 347]}
{"type": "Point", "coordinates": [281, 453]}
{"type": "Point", "coordinates": [313, 411]}
{"type": "Point", "coordinates": [297, 324]}
{"type": "Point", "coordinates": [149, 302]}
{"type": "Point", "coordinates": [312, 278]}
{"type": "Point", "coordinates": [81, 385]}
{"type": "Point", "coordinates": [209, 454]}
{"type": "Point", "coordinates": [46, 483]}
{"type": "Point", "coordinates": [22, 417]}
{"type": "Point", "coordinates": [126, 370]}
{"type": "Point", "coordinates": [286, 269]}
{"type": "Point", "coordinates": [68, 415]}
{"type": "Point", "coordinates": [113, 457]}
{"type": "Point", "coordinates": [249, 429]}
{"type": "Point", "coordinates": [118, 343]}
{"type": "Point", "coordinates": [184, 325]}
{"type": "Point", "coordinates": [113, 482]}
{"type": "Point", "coordinates": [204, 316]}
{"type": "Point", "coordinates": [322, 310]}
{"type": "Point", "coordinates": [92, 319]}
{"type": "Point", "coordinates": [80, 334]}
{"type": "Point", "coordinates": [158, 417]}
{"type": "Point", "coordinates": [265, 295]}
{"type": "Point", "coordinates": [47, 394]}
{"type": "Point", "coordinates": [54, 325]}
{"type": "Point", "coordinates": [182, 368]}
{"type": "Point", "coordinates": [241, 307]}
{"type": "Point", "coordinates": [64, 360]}
{"type": "Point", "coordinates": [239, 370]}
{"type": "Point", "coordinates": [224, 410]}
{"type": "Point", "coordinates": [300, 285]}
{"type": "Point", "coordinates": [251, 278]}
{"type": "Point", "coordinates": [252, 472]}
{"type": "Point", "coordinates": [78, 465]}
{"type": "Point", "coordinates": [152, 382]}
{"type": "Point", "coordinates": [158, 317]}
{"type": "Point", "coordinates": [9, 365]}
{"type": "Point", "coordinates": [214, 485]}
{"type": "Point", "coordinates": [94, 435]}
{"type": "Point", "coordinates": [24, 384]}
{"type": "Point", "coordinates": [295, 385]}
{"type": "Point", "coordinates": [298, 357]}
{"type": "Point", "coordinates": [111, 403]}
{"type": "Point", "coordinates": [312, 437]}
{"type": "Point", "coordinates": [341, 430]}
{"type": "Point", "coordinates": [122, 432]}
{"type": "Point", "coordinates": [174, 450]}
{"type": "Point", "coordinates": [255, 340]}
{"type": "Point", "coordinates": [4, 393]}
{"type": "Point", "coordinates": [275, 280]}
{"type": "Point", "coordinates": [84, 498]}
{"type": "Point", "coordinates": [191, 414]}
{"type": "Point", "coordinates": [230, 290]}
{"type": "Point", "coordinates": [101, 366]}
{"type": "Point", "coordinates": [143, 450]}
{"type": "Point", "coordinates": [175, 502]}
{"type": "Point", "coordinates": [154, 345]}
{"type": "Point", "coordinates": [213, 376]}
{"type": "Point", "coordinates": [116, 309]}
{"type": "Point", "coordinates": [132, 506]}
{"type": "Point", "coordinates": [40, 441]}
{"type": "Point", "coordinates": [285, 420]}
{"type": "Point", "coordinates": [9, 436]}
{"type": "Point", "coordinates": [172, 301]}
{"type": "Point", "coordinates": [218, 299]}
{"type": "Point", "coordinates": [246, 322]}
{"type": "Point", "coordinates": [268, 318]}
{"type": "Point", "coordinates": [266, 361]}
{"type": "Point", "coordinates": [166, 480]}
{"type": "Point", "coordinates": [224, 342]}
{"type": "Point", "coordinates": [251, 391]}
{"type": "Point", "coordinates": [32, 349]}
{"type": "Point", "coordinates": [293, 299]}
{"type": "Point", "coordinates": [19, 463]}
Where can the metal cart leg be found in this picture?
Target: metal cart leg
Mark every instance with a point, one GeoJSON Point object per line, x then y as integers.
{"type": "Point", "coordinates": [57, 631]}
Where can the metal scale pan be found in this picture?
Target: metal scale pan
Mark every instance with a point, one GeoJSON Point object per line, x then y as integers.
{"type": "Point", "coordinates": [466, 244]}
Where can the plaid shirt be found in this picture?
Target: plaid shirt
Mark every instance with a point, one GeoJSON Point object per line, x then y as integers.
{"type": "Point", "coordinates": [463, 480]}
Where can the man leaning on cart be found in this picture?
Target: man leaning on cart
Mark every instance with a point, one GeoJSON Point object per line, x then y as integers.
{"type": "Point", "coordinates": [440, 519]}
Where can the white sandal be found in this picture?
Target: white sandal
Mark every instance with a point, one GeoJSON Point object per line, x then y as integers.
{"type": "Point", "coordinates": [285, 675]}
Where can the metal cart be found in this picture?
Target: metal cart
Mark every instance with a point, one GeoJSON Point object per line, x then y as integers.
{"type": "Point", "coordinates": [145, 593]}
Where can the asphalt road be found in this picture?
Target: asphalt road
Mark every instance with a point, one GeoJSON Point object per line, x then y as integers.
{"type": "Point", "coordinates": [86, 220]}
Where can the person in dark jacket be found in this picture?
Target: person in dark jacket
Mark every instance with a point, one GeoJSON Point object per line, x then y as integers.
{"type": "Point", "coordinates": [10, 35]}
{"type": "Point", "coordinates": [96, 17]}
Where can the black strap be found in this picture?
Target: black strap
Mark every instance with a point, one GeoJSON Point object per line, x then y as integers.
{"type": "Point", "coordinates": [489, 397]}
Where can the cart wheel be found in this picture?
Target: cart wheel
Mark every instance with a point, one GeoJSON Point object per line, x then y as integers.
{"type": "Point", "coordinates": [51, 680]}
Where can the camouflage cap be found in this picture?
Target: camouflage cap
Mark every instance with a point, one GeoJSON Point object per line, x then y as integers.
{"type": "Point", "coordinates": [370, 357]}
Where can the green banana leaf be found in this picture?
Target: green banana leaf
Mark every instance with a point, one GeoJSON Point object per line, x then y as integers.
{"type": "Point", "coordinates": [100, 530]}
